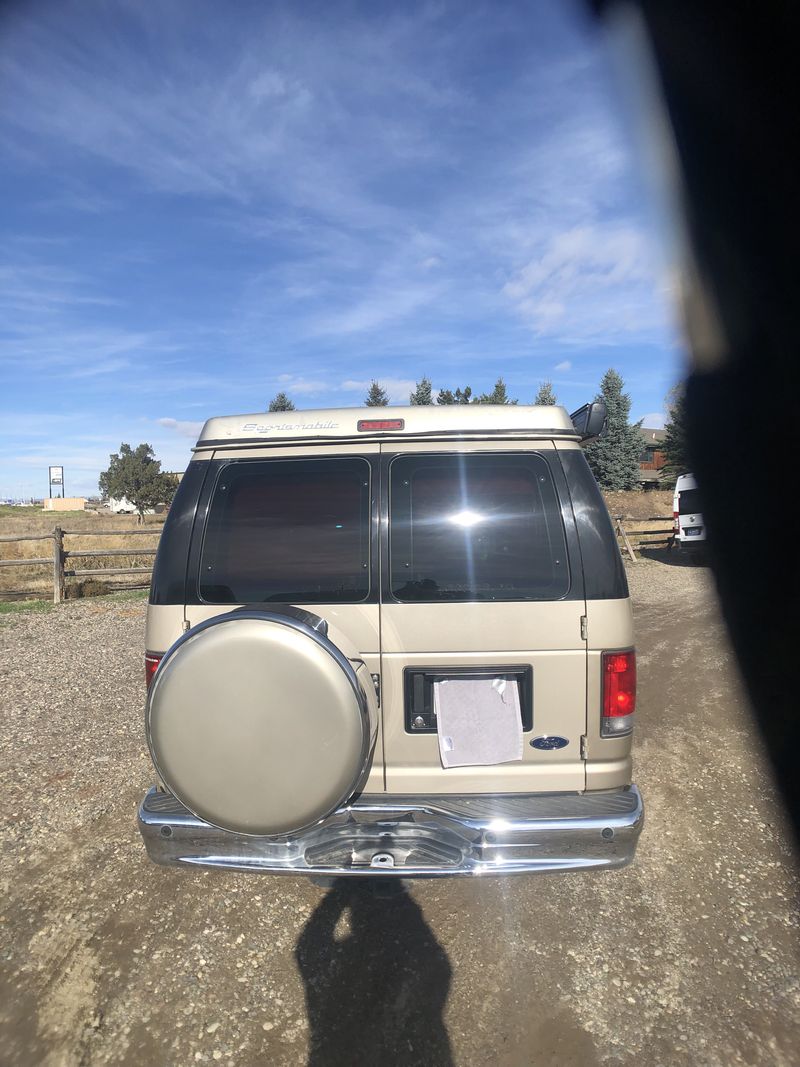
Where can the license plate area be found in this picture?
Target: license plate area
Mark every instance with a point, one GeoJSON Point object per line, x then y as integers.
{"type": "Point", "coordinates": [692, 531]}
{"type": "Point", "coordinates": [420, 717]}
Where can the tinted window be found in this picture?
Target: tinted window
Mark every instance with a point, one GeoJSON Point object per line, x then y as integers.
{"type": "Point", "coordinates": [288, 530]}
{"type": "Point", "coordinates": [689, 502]}
{"type": "Point", "coordinates": [475, 527]}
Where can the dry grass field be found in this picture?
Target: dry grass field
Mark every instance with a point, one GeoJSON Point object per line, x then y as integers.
{"type": "Point", "coordinates": [37, 581]}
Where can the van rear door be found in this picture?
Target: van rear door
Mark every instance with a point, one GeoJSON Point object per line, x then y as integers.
{"type": "Point", "coordinates": [284, 525]}
{"type": "Point", "coordinates": [480, 573]}
{"type": "Point", "coordinates": [689, 508]}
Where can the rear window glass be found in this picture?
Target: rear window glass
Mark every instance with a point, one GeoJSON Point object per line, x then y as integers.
{"type": "Point", "coordinates": [475, 527]}
{"type": "Point", "coordinates": [689, 502]}
{"type": "Point", "coordinates": [288, 530]}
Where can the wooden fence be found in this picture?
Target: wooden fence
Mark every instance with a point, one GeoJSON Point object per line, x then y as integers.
{"type": "Point", "coordinates": [60, 556]}
{"type": "Point", "coordinates": [653, 536]}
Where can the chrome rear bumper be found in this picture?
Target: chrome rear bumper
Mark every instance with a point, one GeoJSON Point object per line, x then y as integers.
{"type": "Point", "coordinates": [415, 836]}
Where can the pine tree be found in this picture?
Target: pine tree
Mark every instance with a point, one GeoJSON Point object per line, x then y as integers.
{"type": "Point", "coordinates": [498, 395]}
{"type": "Point", "coordinates": [281, 402]}
{"type": "Point", "coordinates": [614, 458]}
{"type": "Point", "coordinates": [376, 396]}
{"type": "Point", "coordinates": [460, 396]}
{"type": "Point", "coordinates": [676, 442]}
{"type": "Point", "coordinates": [546, 395]}
{"type": "Point", "coordinates": [422, 394]}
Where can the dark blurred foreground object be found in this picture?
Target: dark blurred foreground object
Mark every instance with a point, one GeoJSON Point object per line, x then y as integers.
{"type": "Point", "coordinates": [726, 74]}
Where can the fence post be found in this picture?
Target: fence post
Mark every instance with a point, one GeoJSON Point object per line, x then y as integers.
{"type": "Point", "coordinates": [58, 565]}
{"type": "Point", "coordinates": [621, 533]}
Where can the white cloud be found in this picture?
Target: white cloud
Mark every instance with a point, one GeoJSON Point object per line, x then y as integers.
{"type": "Point", "coordinates": [185, 429]}
{"type": "Point", "coordinates": [296, 386]}
{"type": "Point", "coordinates": [565, 365]}
{"type": "Point", "coordinates": [655, 420]}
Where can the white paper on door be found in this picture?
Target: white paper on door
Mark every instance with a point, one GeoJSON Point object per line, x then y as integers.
{"type": "Point", "coordinates": [478, 721]}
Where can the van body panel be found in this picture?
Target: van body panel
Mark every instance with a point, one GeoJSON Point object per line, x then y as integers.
{"type": "Point", "coordinates": [421, 777]}
{"type": "Point", "coordinates": [609, 624]}
{"type": "Point", "coordinates": [559, 703]}
{"type": "Point", "coordinates": [608, 773]}
{"type": "Point", "coordinates": [163, 627]}
{"type": "Point", "coordinates": [360, 622]}
{"type": "Point", "coordinates": [322, 428]}
{"type": "Point", "coordinates": [414, 629]}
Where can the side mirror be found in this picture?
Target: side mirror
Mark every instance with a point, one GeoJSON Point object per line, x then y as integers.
{"type": "Point", "coordinates": [590, 420]}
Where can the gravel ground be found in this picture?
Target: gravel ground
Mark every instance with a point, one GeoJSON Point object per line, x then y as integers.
{"type": "Point", "coordinates": [687, 957]}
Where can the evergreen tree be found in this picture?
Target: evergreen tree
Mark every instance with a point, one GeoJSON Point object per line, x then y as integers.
{"type": "Point", "coordinates": [136, 474]}
{"type": "Point", "coordinates": [460, 396]}
{"type": "Point", "coordinates": [498, 395]}
{"type": "Point", "coordinates": [676, 443]}
{"type": "Point", "coordinates": [614, 458]}
{"type": "Point", "coordinates": [376, 396]}
{"type": "Point", "coordinates": [546, 395]}
{"type": "Point", "coordinates": [281, 402]}
{"type": "Point", "coordinates": [422, 394]}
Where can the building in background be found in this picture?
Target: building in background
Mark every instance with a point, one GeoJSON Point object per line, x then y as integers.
{"type": "Point", "coordinates": [64, 503]}
{"type": "Point", "coordinates": [653, 458]}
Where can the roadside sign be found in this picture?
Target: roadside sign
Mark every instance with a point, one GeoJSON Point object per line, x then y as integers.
{"type": "Point", "coordinates": [57, 479]}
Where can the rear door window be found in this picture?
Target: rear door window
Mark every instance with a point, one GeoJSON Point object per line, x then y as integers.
{"type": "Point", "coordinates": [475, 527]}
{"type": "Point", "coordinates": [294, 531]}
{"type": "Point", "coordinates": [689, 502]}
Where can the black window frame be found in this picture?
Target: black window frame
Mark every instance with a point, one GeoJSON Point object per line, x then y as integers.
{"type": "Point", "coordinates": [369, 515]}
{"type": "Point", "coordinates": [572, 560]}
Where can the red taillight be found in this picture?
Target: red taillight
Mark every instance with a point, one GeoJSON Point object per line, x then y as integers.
{"type": "Point", "coordinates": [619, 693]}
{"type": "Point", "coordinates": [675, 522]}
{"type": "Point", "coordinates": [366, 425]}
{"type": "Point", "coordinates": [151, 662]}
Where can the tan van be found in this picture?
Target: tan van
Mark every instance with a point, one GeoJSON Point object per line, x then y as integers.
{"type": "Point", "coordinates": [391, 642]}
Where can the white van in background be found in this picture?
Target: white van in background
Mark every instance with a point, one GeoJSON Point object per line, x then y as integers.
{"type": "Point", "coordinates": [690, 530]}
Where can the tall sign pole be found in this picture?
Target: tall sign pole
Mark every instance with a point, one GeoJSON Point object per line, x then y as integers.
{"type": "Point", "coordinates": [56, 475]}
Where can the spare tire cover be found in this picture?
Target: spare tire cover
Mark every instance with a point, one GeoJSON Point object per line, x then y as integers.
{"type": "Point", "coordinates": [259, 724]}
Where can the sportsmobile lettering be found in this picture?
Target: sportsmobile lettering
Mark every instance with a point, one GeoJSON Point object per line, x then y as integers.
{"type": "Point", "coordinates": [284, 426]}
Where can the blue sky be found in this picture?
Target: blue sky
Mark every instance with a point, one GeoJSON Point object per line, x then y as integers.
{"type": "Point", "coordinates": [204, 204]}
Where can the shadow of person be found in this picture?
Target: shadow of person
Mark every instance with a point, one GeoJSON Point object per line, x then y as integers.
{"type": "Point", "coordinates": [376, 980]}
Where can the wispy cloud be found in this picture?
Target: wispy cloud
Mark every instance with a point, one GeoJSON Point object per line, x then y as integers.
{"type": "Point", "coordinates": [182, 427]}
{"type": "Point", "coordinates": [590, 283]}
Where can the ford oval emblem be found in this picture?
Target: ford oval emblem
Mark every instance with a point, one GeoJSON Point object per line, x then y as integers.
{"type": "Point", "coordinates": [549, 741]}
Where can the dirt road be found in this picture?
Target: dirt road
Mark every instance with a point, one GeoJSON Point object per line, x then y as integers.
{"type": "Point", "coordinates": [690, 956]}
